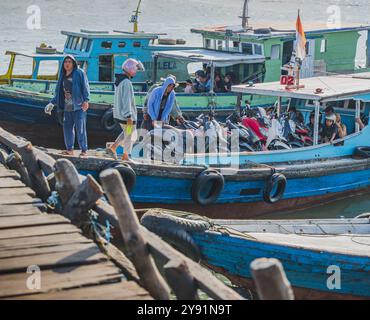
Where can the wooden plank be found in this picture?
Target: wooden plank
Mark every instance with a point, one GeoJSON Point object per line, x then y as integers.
{"type": "Point", "coordinates": [7, 173]}
{"type": "Point", "coordinates": [36, 251]}
{"type": "Point", "coordinates": [124, 290]}
{"type": "Point", "coordinates": [41, 219]}
{"type": "Point", "coordinates": [17, 191]}
{"type": "Point", "coordinates": [18, 199]}
{"type": "Point", "coordinates": [91, 254]}
{"type": "Point", "coordinates": [41, 241]}
{"type": "Point", "coordinates": [38, 231]}
{"type": "Point", "coordinates": [12, 285]}
{"type": "Point", "coordinates": [21, 210]}
{"type": "Point", "coordinates": [10, 183]}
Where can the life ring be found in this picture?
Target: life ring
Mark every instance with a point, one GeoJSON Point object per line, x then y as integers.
{"type": "Point", "coordinates": [176, 230]}
{"type": "Point", "coordinates": [363, 152]}
{"type": "Point", "coordinates": [127, 173]}
{"type": "Point", "coordinates": [274, 188]}
{"type": "Point", "coordinates": [207, 187]}
{"type": "Point", "coordinates": [107, 121]}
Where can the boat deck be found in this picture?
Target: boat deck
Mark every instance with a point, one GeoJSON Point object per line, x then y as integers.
{"type": "Point", "coordinates": [71, 266]}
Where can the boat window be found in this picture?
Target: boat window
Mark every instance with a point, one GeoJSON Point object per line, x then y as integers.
{"type": "Point", "coordinates": [84, 44]}
{"type": "Point", "coordinates": [23, 66]}
{"type": "Point", "coordinates": [88, 46]}
{"type": "Point", "coordinates": [83, 65]}
{"type": "Point", "coordinates": [106, 44]}
{"type": "Point", "coordinates": [137, 44]}
{"type": "Point", "coordinates": [257, 49]}
{"type": "Point", "coordinates": [76, 43]}
{"type": "Point", "coordinates": [210, 44]}
{"type": "Point", "coordinates": [121, 44]}
{"type": "Point", "coordinates": [68, 41]}
{"type": "Point", "coordinates": [247, 48]}
{"type": "Point", "coordinates": [275, 51]}
{"type": "Point", "coordinates": [219, 45]}
{"type": "Point", "coordinates": [4, 64]}
{"type": "Point", "coordinates": [106, 68]}
{"type": "Point", "coordinates": [234, 46]}
{"type": "Point", "coordinates": [48, 68]}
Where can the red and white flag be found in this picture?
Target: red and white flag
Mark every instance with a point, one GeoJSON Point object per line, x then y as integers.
{"type": "Point", "coordinates": [301, 39]}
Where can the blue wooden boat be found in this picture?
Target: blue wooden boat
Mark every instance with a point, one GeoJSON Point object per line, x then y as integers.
{"type": "Point", "coordinates": [323, 259]}
{"type": "Point", "coordinates": [246, 184]}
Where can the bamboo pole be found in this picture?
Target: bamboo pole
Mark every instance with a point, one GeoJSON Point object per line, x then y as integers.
{"type": "Point", "coordinates": [130, 230]}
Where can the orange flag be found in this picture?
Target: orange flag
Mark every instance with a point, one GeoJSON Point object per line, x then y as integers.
{"type": "Point", "coordinates": [301, 39]}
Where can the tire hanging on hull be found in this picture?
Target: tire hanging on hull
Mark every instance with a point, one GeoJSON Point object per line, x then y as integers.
{"type": "Point", "coordinates": [207, 187]}
{"type": "Point", "coordinates": [274, 188]}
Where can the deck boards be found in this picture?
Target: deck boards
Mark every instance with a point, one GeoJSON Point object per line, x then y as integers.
{"type": "Point", "coordinates": [72, 266]}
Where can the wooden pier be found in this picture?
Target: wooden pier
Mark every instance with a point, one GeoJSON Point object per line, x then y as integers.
{"type": "Point", "coordinates": [71, 265]}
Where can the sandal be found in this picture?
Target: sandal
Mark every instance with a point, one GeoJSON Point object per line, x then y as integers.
{"type": "Point", "coordinates": [67, 153]}
{"type": "Point", "coordinates": [83, 154]}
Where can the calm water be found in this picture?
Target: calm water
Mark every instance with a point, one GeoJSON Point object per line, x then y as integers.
{"type": "Point", "coordinates": [176, 17]}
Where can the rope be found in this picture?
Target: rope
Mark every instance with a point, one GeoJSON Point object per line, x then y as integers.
{"type": "Point", "coordinates": [101, 234]}
{"type": "Point", "coordinates": [53, 202]}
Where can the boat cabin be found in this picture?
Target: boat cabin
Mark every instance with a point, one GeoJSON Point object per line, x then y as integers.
{"type": "Point", "coordinates": [329, 51]}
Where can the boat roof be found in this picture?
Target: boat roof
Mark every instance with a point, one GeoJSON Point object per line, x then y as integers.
{"type": "Point", "coordinates": [216, 57]}
{"type": "Point", "coordinates": [363, 97]}
{"type": "Point", "coordinates": [53, 56]}
{"type": "Point", "coordinates": [281, 31]}
{"type": "Point", "coordinates": [333, 88]}
{"type": "Point", "coordinates": [102, 34]}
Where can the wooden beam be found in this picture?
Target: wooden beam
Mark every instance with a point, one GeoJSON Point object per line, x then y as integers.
{"type": "Point", "coordinates": [14, 162]}
{"type": "Point", "coordinates": [130, 230]}
{"type": "Point", "coordinates": [83, 200]}
{"type": "Point", "coordinates": [270, 279]}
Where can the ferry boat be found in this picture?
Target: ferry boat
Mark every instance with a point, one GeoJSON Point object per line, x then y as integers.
{"type": "Point", "coordinates": [242, 185]}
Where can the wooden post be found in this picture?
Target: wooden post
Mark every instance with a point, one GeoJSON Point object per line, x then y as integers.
{"type": "Point", "coordinates": [14, 162]}
{"type": "Point", "coordinates": [82, 200]}
{"type": "Point", "coordinates": [3, 156]}
{"type": "Point", "coordinates": [130, 229]}
{"type": "Point", "coordinates": [270, 280]}
{"type": "Point", "coordinates": [39, 182]}
{"type": "Point", "coordinates": [180, 280]}
{"type": "Point", "coordinates": [67, 180]}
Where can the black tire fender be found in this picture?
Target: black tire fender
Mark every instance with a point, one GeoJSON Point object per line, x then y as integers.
{"type": "Point", "coordinates": [127, 173]}
{"type": "Point", "coordinates": [363, 152]}
{"type": "Point", "coordinates": [107, 121]}
{"type": "Point", "coordinates": [277, 182]}
{"type": "Point", "coordinates": [176, 231]}
{"type": "Point", "coordinates": [205, 178]}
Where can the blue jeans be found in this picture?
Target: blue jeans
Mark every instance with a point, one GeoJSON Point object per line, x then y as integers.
{"type": "Point", "coordinates": [75, 120]}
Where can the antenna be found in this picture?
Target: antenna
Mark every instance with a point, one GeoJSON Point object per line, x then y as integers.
{"type": "Point", "coordinates": [245, 17]}
{"type": "Point", "coordinates": [135, 17]}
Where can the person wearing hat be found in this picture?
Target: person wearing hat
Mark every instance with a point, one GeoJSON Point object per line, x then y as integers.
{"type": "Point", "coordinates": [330, 130]}
{"type": "Point", "coordinates": [124, 110]}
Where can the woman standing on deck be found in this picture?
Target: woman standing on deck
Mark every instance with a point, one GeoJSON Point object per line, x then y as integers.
{"type": "Point", "coordinates": [124, 110]}
{"type": "Point", "coordinates": [72, 97]}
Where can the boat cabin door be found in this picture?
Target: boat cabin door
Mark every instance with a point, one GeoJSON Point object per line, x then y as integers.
{"type": "Point", "coordinates": [106, 67]}
{"type": "Point", "coordinates": [307, 69]}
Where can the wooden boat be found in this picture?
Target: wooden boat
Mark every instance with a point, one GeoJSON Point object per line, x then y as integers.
{"type": "Point", "coordinates": [323, 259]}
{"type": "Point", "coordinates": [243, 185]}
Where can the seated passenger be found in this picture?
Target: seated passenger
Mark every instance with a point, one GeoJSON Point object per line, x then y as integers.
{"type": "Point", "coordinates": [189, 86]}
{"type": "Point", "coordinates": [362, 121]}
{"type": "Point", "coordinates": [330, 130]}
{"type": "Point", "coordinates": [296, 115]}
{"type": "Point", "coordinates": [342, 129]}
{"type": "Point", "coordinates": [311, 123]}
{"type": "Point", "coordinates": [219, 83]}
{"type": "Point", "coordinates": [227, 83]}
{"type": "Point", "coordinates": [202, 84]}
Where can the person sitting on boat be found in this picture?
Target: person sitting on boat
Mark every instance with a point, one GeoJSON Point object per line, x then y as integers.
{"type": "Point", "coordinates": [202, 83]}
{"type": "Point", "coordinates": [342, 128]}
{"type": "Point", "coordinates": [124, 110]}
{"type": "Point", "coordinates": [311, 124]}
{"type": "Point", "coordinates": [189, 87]}
{"type": "Point", "coordinates": [219, 85]}
{"type": "Point", "coordinates": [330, 130]}
{"type": "Point", "coordinates": [160, 102]}
{"type": "Point", "coordinates": [228, 83]}
{"type": "Point", "coordinates": [329, 110]}
{"type": "Point", "coordinates": [72, 94]}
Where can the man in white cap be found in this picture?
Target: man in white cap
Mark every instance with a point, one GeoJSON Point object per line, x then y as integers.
{"type": "Point", "coordinates": [124, 110]}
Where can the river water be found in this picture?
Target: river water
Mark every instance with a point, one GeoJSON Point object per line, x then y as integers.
{"type": "Point", "coordinates": [176, 17]}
